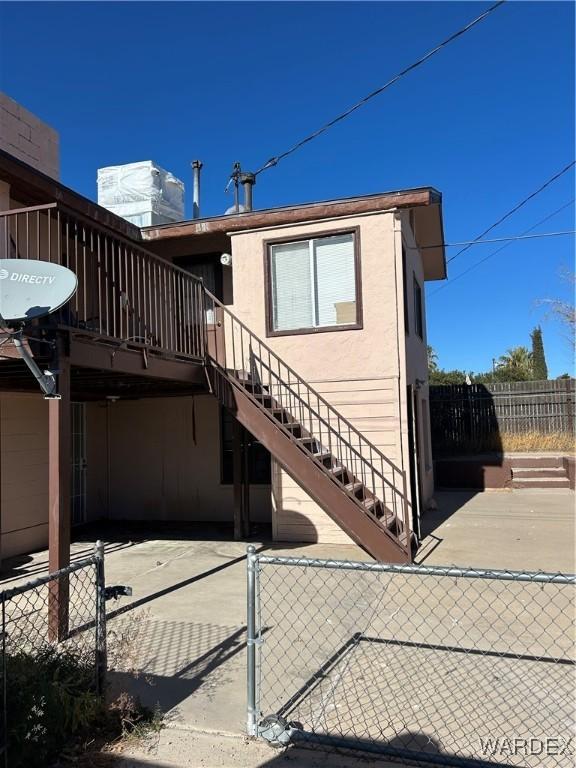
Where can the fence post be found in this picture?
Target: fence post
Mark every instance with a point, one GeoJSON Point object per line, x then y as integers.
{"type": "Point", "coordinates": [569, 406]}
{"type": "Point", "coordinates": [100, 624]}
{"type": "Point", "coordinates": [251, 640]}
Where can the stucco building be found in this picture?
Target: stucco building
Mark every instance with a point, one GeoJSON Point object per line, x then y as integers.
{"type": "Point", "coordinates": [287, 386]}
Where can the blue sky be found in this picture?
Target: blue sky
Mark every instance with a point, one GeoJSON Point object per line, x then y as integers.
{"type": "Point", "coordinates": [486, 122]}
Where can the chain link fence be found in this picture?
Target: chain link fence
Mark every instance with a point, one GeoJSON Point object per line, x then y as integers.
{"type": "Point", "coordinates": [449, 666]}
{"type": "Point", "coordinates": [53, 632]}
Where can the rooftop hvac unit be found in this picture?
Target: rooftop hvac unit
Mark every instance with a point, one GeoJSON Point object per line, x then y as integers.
{"type": "Point", "coordinates": [143, 193]}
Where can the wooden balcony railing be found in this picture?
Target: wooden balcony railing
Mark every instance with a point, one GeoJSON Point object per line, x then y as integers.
{"type": "Point", "coordinates": [125, 293]}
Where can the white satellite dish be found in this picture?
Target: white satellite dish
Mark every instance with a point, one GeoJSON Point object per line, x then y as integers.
{"type": "Point", "coordinates": [30, 289]}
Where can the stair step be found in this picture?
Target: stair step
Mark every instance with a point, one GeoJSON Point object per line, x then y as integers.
{"type": "Point", "coordinates": [537, 462]}
{"type": "Point", "coordinates": [355, 488]}
{"type": "Point", "coordinates": [541, 482]}
{"type": "Point", "coordinates": [294, 427]}
{"type": "Point", "coordinates": [266, 400]}
{"type": "Point", "coordinates": [310, 443]}
{"type": "Point", "coordinates": [282, 415]}
{"type": "Point", "coordinates": [526, 473]}
{"type": "Point", "coordinates": [386, 518]}
{"type": "Point", "coordinates": [374, 506]}
{"type": "Point", "coordinates": [247, 381]}
{"type": "Point", "coordinates": [341, 473]}
{"type": "Point", "coordinates": [330, 461]}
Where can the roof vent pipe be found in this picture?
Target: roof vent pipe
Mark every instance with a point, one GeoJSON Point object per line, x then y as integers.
{"type": "Point", "coordinates": [247, 180]}
{"type": "Point", "coordinates": [196, 168]}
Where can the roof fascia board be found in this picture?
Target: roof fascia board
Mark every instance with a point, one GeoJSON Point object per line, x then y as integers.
{"type": "Point", "coordinates": [294, 214]}
{"type": "Point", "coordinates": [294, 224]}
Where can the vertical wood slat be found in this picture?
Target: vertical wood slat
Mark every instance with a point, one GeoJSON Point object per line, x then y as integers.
{"type": "Point", "coordinates": [462, 413]}
{"type": "Point", "coordinates": [124, 292]}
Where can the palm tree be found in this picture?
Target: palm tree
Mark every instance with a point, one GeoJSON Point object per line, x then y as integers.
{"type": "Point", "coordinates": [516, 360]}
{"type": "Point", "coordinates": [432, 360]}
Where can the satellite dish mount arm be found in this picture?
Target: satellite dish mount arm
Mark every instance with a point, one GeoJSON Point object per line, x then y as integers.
{"type": "Point", "coordinates": [46, 380]}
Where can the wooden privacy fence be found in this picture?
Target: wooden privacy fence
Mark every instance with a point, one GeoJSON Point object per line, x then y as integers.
{"type": "Point", "coordinates": [462, 414]}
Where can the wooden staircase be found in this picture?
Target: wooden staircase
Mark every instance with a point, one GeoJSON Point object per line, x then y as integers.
{"type": "Point", "coordinates": [353, 482]}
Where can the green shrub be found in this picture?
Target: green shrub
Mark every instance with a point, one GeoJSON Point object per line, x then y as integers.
{"type": "Point", "coordinates": [51, 704]}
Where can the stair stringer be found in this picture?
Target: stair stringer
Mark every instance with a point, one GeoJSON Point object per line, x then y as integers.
{"type": "Point", "coordinates": [327, 493]}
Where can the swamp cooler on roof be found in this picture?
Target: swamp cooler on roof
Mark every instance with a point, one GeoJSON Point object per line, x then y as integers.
{"type": "Point", "coordinates": [143, 193]}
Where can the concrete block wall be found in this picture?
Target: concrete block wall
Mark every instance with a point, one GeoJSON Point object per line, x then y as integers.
{"type": "Point", "coordinates": [29, 139]}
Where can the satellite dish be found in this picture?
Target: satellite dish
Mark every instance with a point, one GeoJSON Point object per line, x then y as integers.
{"type": "Point", "coordinates": [30, 289]}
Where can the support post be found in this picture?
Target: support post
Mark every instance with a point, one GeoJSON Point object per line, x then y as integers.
{"type": "Point", "coordinates": [101, 652]}
{"type": "Point", "coordinates": [241, 474]}
{"type": "Point", "coordinates": [59, 489]}
{"type": "Point", "coordinates": [238, 471]}
{"type": "Point", "coordinates": [251, 641]}
{"type": "Point", "coordinates": [245, 523]}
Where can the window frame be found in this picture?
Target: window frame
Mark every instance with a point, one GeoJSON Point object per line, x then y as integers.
{"type": "Point", "coordinates": [418, 307]}
{"type": "Point", "coordinates": [356, 326]}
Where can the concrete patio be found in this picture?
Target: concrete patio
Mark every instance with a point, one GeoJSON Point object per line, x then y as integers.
{"type": "Point", "coordinates": [187, 612]}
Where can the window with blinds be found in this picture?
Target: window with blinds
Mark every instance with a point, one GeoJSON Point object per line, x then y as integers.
{"type": "Point", "coordinates": [313, 283]}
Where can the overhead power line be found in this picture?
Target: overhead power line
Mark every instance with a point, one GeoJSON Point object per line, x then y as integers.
{"type": "Point", "coordinates": [276, 159]}
{"type": "Point", "coordinates": [516, 208]}
{"type": "Point", "coordinates": [500, 239]}
{"type": "Point", "coordinates": [499, 250]}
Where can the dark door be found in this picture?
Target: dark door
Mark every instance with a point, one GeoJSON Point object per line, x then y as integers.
{"type": "Point", "coordinates": [413, 432]}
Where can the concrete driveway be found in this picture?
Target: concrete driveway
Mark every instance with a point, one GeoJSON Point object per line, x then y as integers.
{"type": "Point", "coordinates": [525, 530]}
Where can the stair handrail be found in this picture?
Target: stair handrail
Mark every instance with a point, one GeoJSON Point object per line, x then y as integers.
{"type": "Point", "coordinates": [314, 458]}
{"type": "Point", "coordinates": [325, 402]}
{"type": "Point", "coordinates": [331, 428]}
{"type": "Point", "coordinates": [330, 408]}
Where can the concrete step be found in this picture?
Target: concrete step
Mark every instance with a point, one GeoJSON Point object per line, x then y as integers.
{"type": "Point", "coordinates": [537, 461]}
{"type": "Point", "coordinates": [541, 482]}
{"type": "Point", "coordinates": [527, 473]}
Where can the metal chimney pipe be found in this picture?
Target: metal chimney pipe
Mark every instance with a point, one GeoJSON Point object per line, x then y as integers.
{"type": "Point", "coordinates": [247, 180]}
{"type": "Point", "coordinates": [196, 168]}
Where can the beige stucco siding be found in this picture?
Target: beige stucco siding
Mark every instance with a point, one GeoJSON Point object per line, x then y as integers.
{"type": "Point", "coordinates": [162, 456]}
{"type": "Point", "coordinates": [356, 371]}
{"type": "Point", "coordinates": [23, 473]}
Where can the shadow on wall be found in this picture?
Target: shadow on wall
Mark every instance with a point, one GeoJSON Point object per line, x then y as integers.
{"type": "Point", "coordinates": [300, 525]}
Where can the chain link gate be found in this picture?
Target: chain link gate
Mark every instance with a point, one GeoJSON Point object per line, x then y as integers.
{"type": "Point", "coordinates": [449, 666]}
{"type": "Point", "coordinates": [61, 612]}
